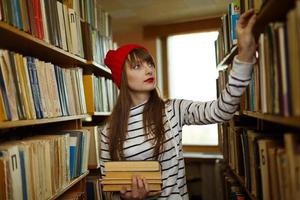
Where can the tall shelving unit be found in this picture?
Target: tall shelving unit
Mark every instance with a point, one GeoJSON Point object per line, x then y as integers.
{"type": "Point", "coordinates": [16, 40]}
{"type": "Point", "coordinates": [269, 127]}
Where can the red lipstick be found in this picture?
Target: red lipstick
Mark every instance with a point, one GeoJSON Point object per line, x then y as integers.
{"type": "Point", "coordinates": [149, 80]}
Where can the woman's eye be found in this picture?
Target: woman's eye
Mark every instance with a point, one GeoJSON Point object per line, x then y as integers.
{"type": "Point", "coordinates": [150, 65]}
{"type": "Point", "coordinates": [136, 66]}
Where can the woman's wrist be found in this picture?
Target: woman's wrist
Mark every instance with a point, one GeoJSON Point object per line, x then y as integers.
{"type": "Point", "coordinates": [245, 57]}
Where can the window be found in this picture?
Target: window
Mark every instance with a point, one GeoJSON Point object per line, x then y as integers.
{"type": "Point", "coordinates": [192, 65]}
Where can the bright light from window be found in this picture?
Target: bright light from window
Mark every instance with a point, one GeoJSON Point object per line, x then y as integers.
{"type": "Point", "coordinates": [192, 75]}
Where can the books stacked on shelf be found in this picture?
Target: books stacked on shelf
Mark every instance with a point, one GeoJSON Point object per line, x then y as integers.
{"type": "Point", "coordinates": [265, 162]}
{"type": "Point", "coordinates": [227, 35]}
{"type": "Point", "coordinates": [233, 190]}
{"type": "Point", "coordinates": [251, 4]}
{"type": "Point", "coordinates": [33, 89]}
{"type": "Point", "coordinates": [276, 88]}
{"type": "Point", "coordinates": [93, 187]}
{"type": "Point", "coordinates": [66, 24]}
{"type": "Point", "coordinates": [48, 20]}
{"type": "Point", "coordinates": [95, 141]}
{"type": "Point", "coordinates": [101, 94]}
{"type": "Point", "coordinates": [118, 174]}
{"type": "Point", "coordinates": [38, 167]}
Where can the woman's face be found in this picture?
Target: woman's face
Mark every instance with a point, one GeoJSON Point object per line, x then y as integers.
{"type": "Point", "coordinates": [141, 76]}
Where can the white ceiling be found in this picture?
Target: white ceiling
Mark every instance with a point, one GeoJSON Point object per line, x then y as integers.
{"type": "Point", "coordinates": [128, 15]}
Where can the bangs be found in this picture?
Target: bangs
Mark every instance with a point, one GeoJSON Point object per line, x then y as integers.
{"type": "Point", "coordinates": [137, 56]}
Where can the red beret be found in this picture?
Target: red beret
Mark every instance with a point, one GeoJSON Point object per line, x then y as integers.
{"type": "Point", "coordinates": [115, 60]}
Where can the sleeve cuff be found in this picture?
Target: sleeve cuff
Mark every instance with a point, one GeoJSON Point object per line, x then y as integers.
{"type": "Point", "coordinates": [242, 69]}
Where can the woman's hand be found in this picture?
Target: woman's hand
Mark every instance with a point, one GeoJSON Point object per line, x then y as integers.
{"type": "Point", "coordinates": [139, 189]}
{"type": "Point", "coordinates": [246, 41]}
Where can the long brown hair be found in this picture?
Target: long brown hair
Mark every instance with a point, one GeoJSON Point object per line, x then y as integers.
{"type": "Point", "coordinates": [152, 114]}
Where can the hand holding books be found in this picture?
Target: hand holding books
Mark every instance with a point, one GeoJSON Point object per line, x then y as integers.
{"type": "Point", "coordinates": [245, 38]}
{"type": "Point", "coordinates": [134, 179]}
{"type": "Point", "coordinates": [139, 189]}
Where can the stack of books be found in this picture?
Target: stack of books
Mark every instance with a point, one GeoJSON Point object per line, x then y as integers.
{"type": "Point", "coordinates": [118, 174]}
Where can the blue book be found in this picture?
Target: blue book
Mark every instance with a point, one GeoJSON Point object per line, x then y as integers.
{"type": "Point", "coordinates": [17, 14]}
{"type": "Point", "coordinates": [75, 153]}
{"type": "Point", "coordinates": [90, 190]}
{"type": "Point", "coordinates": [73, 149]}
{"type": "Point", "coordinates": [234, 13]}
{"type": "Point", "coordinates": [23, 174]}
{"type": "Point", "coordinates": [34, 87]}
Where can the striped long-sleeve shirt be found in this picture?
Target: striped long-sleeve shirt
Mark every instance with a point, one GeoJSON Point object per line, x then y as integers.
{"type": "Point", "coordinates": [179, 112]}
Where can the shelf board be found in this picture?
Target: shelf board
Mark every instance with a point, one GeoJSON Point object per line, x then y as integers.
{"type": "Point", "coordinates": [289, 121]}
{"type": "Point", "coordinates": [72, 183]}
{"type": "Point", "coordinates": [272, 10]}
{"type": "Point", "coordinates": [227, 59]}
{"type": "Point", "coordinates": [30, 45]}
{"type": "Point", "coordinates": [98, 69]}
{"type": "Point", "coordinates": [101, 113]}
{"type": "Point", "coordinates": [242, 183]}
{"type": "Point", "coordinates": [92, 167]}
{"type": "Point", "coordinates": [19, 123]}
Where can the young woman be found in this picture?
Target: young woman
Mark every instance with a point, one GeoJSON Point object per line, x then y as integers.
{"type": "Point", "coordinates": [142, 126]}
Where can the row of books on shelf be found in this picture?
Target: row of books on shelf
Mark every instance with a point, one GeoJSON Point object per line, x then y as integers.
{"type": "Point", "coordinates": [37, 167]}
{"type": "Point", "coordinates": [95, 46]}
{"type": "Point", "coordinates": [275, 85]}
{"type": "Point", "coordinates": [227, 33]}
{"type": "Point", "coordinates": [102, 92]}
{"type": "Point", "coordinates": [232, 188]}
{"type": "Point", "coordinates": [57, 23]}
{"type": "Point", "coordinates": [274, 88]}
{"type": "Point", "coordinates": [93, 187]}
{"type": "Point", "coordinates": [33, 89]}
{"type": "Point", "coordinates": [92, 12]}
{"type": "Point", "coordinates": [268, 162]}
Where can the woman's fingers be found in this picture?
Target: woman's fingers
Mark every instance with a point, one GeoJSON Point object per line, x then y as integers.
{"type": "Point", "coordinates": [146, 185]}
{"type": "Point", "coordinates": [140, 183]}
{"type": "Point", "coordinates": [252, 22]}
{"type": "Point", "coordinates": [246, 15]}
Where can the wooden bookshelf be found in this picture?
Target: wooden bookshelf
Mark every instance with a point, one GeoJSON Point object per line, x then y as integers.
{"type": "Point", "coordinates": [20, 123]}
{"type": "Point", "coordinates": [97, 69]}
{"type": "Point", "coordinates": [15, 40]}
{"type": "Point", "coordinates": [35, 47]}
{"type": "Point", "coordinates": [72, 183]}
{"type": "Point", "coordinates": [251, 124]}
{"type": "Point", "coordinates": [30, 45]}
{"type": "Point", "coordinates": [241, 180]}
{"type": "Point", "coordinates": [289, 121]}
{"type": "Point", "coordinates": [272, 10]}
{"type": "Point", "coordinates": [101, 113]}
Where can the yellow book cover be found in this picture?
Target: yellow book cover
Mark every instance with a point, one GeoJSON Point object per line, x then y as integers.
{"type": "Point", "coordinates": [118, 181]}
{"type": "Point", "coordinates": [89, 92]}
{"type": "Point", "coordinates": [129, 174]}
{"type": "Point", "coordinates": [132, 166]}
{"type": "Point", "coordinates": [24, 70]}
{"type": "Point", "coordinates": [23, 94]}
{"type": "Point", "coordinates": [111, 188]}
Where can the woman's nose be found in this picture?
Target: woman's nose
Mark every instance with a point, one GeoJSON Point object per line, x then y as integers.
{"type": "Point", "coordinates": [148, 69]}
